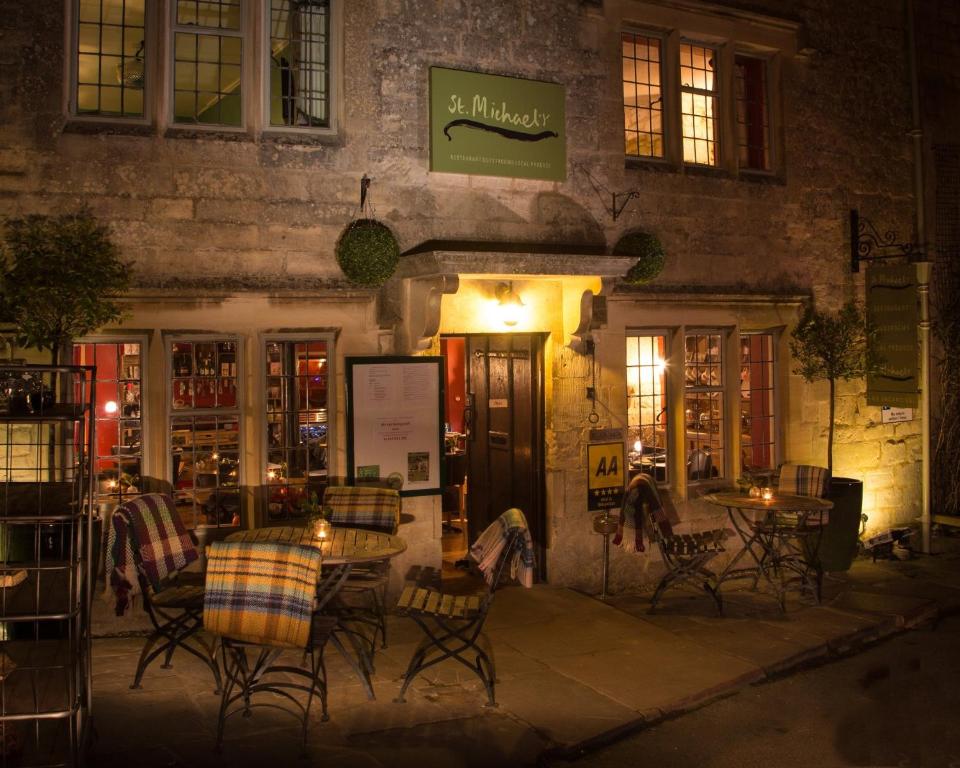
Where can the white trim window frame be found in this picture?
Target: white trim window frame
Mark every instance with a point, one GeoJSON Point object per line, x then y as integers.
{"type": "Point", "coordinates": [132, 416]}
{"type": "Point", "coordinates": [759, 408]}
{"type": "Point", "coordinates": [206, 61]}
{"type": "Point", "coordinates": [763, 111]}
{"type": "Point", "coordinates": [700, 103]}
{"type": "Point", "coordinates": [204, 427]}
{"type": "Point", "coordinates": [290, 406]}
{"type": "Point", "coordinates": [645, 93]}
{"type": "Point", "coordinates": [705, 403]}
{"type": "Point", "coordinates": [649, 436]}
{"type": "Point", "coordinates": [110, 57]}
{"type": "Point", "coordinates": [293, 87]}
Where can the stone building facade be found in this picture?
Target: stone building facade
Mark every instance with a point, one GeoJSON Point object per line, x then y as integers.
{"type": "Point", "coordinates": [231, 228]}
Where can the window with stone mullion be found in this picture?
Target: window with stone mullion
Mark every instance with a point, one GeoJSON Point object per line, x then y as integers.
{"type": "Point", "coordinates": [208, 62]}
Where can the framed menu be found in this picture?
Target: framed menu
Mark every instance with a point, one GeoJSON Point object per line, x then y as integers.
{"type": "Point", "coordinates": [395, 421]}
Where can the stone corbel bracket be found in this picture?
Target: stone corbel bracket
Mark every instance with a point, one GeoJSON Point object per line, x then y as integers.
{"type": "Point", "coordinates": [593, 315]}
{"type": "Point", "coordinates": [413, 308]}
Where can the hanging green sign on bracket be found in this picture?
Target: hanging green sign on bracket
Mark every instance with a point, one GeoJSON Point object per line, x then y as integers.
{"type": "Point", "coordinates": [491, 125]}
{"type": "Point", "coordinates": [893, 315]}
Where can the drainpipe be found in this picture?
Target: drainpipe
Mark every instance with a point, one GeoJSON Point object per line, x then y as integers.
{"type": "Point", "coordinates": [923, 280]}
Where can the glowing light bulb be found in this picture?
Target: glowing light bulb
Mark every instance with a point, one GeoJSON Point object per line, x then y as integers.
{"type": "Point", "coordinates": [638, 447]}
{"type": "Point", "coordinates": [110, 406]}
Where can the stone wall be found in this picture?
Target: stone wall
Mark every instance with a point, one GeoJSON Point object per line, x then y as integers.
{"type": "Point", "coordinates": [251, 213]}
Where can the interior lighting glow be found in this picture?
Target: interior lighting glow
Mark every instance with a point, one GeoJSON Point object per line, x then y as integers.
{"type": "Point", "coordinates": [110, 406]}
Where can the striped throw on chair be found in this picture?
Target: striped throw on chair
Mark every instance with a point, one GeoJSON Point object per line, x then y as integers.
{"type": "Point", "coordinates": [145, 534]}
{"type": "Point", "coordinates": [804, 480]}
{"type": "Point", "coordinates": [261, 592]}
{"type": "Point", "coordinates": [376, 509]}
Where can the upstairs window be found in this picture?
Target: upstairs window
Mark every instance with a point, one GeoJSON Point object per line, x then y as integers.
{"type": "Point", "coordinates": [677, 105]}
{"type": "Point", "coordinates": [753, 120]}
{"type": "Point", "coordinates": [110, 58]}
{"type": "Point", "coordinates": [642, 95]}
{"type": "Point", "coordinates": [299, 63]}
{"type": "Point", "coordinates": [698, 103]}
{"type": "Point", "coordinates": [207, 66]}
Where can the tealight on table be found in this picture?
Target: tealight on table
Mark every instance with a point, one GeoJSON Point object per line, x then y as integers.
{"type": "Point", "coordinates": [781, 535]}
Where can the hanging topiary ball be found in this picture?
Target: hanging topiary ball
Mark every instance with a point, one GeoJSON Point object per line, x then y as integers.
{"type": "Point", "coordinates": [649, 254]}
{"type": "Point", "coordinates": [367, 252]}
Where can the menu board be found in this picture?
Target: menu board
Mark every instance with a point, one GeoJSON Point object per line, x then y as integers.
{"type": "Point", "coordinates": [395, 421]}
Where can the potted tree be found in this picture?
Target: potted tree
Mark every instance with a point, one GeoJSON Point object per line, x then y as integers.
{"type": "Point", "coordinates": [831, 347]}
{"type": "Point", "coordinates": [60, 278]}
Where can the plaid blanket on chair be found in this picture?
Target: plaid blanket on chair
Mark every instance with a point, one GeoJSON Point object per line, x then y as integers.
{"type": "Point", "coordinates": [147, 536]}
{"type": "Point", "coordinates": [804, 480]}
{"type": "Point", "coordinates": [486, 550]}
{"type": "Point", "coordinates": [261, 592]}
{"type": "Point", "coordinates": [643, 489]}
{"type": "Point", "coordinates": [376, 509]}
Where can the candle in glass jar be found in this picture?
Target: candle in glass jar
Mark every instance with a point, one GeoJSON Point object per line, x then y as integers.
{"type": "Point", "coordinates": [766, 494]}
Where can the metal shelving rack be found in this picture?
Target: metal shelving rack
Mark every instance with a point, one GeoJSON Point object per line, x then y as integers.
{"type": "Point", "coordinates": [46, 548]}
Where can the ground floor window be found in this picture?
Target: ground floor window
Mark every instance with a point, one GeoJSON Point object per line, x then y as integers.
{"type": "Point", "coordinates": [296, 421]}
{"type": "Point", "coordinates": [703, 404]}
{"type": "Point", "coordinates": [205, 431]}
{"type": "Point", "coordinates": [757, 412]}
{"type": "Point", "coordinates": [647, 404]}
{"type": "Point", "coordinates": [118, 454]}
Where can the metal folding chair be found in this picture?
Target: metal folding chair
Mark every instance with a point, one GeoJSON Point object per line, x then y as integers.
{"type": "Point", "coordinates": [452, 624]}
{"type": "Point", "coordinates": [146, 535]}
{"type": "Point", "coordinates": [685, 555]}
{"type": "Point", "coordinates": [262, 600]}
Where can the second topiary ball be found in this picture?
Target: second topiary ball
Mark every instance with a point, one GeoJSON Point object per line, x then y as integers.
{"type": "Point", "coordinates": [649, 254]}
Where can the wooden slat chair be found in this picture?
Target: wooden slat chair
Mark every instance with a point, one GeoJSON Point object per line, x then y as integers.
{"type": "Point", "coordinates": [452, 624]}
{"type": "Point", "coordinates": [685, 555]}
{"type": "Point", "coordinates": [374, 509]}
{"type": "Point", "coordinates": [266, 598]}
{"type": "Point", "coordinates": [147, 535]}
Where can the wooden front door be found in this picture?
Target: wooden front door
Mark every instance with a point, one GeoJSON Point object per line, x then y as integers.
{"type": "Point", "coordinates": [505, 433]}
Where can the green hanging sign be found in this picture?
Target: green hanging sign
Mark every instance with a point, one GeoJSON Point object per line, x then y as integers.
{"type": "Point", "coordinates": [490, 125]}
{"type": "Point", "coordinates": [893, 314]}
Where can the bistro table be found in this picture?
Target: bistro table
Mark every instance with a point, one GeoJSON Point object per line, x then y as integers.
{"type": "Point", "coordinates": [781, 535]}
{"type": "Point", "coordinates": [342, 549]}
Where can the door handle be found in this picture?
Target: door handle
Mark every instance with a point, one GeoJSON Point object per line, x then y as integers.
{"type": "Point", "coordinates": [468, 412]}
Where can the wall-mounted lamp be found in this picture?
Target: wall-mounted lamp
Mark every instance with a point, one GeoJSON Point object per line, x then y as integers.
{"type": "Point", "coordinates": [509, 304]}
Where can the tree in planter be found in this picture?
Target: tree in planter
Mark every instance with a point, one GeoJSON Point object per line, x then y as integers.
{"type": "Point", "coordinates": [832, 346]}
{"type": "Point", "coordinates": [60, 277]}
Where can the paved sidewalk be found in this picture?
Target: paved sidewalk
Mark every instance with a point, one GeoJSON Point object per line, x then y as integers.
{"type": "Point", "coordinates": [573, 673]}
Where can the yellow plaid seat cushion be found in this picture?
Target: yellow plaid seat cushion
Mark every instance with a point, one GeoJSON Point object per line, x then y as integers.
{"type": "Point", "coordinates": [804, 480]}
{"type": "Point", "coordinates": [375, 509]}
{"type": "Point", "coordinates": [261, 592]}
